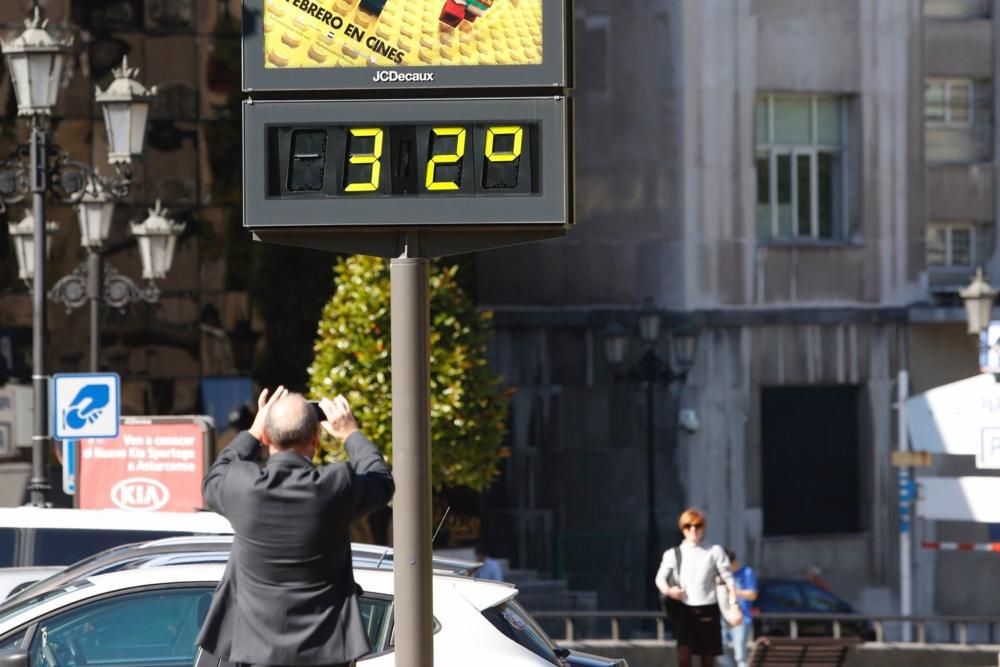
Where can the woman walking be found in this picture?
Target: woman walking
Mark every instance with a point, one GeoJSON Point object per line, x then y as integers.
{"type": "Point", "coordinates": [687, 574]}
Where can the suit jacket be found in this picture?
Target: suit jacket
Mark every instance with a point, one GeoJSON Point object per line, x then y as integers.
{"type": "Point", "coordinates": [288, 595]}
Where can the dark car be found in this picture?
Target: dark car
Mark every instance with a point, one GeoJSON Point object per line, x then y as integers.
{"type": "Point", "coordinates": [800, 597]}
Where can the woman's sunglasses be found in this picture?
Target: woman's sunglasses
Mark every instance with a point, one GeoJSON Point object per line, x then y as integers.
{"type": "Point", "coordinates": [693, 525]}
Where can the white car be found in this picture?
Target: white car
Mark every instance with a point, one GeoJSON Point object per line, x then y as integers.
{"type": "Point", "coordinates": [14, 579]}
{"type": "Point", "coordinates": [44, 536]}
{"type": "Point", "coordinates": [150, 617]}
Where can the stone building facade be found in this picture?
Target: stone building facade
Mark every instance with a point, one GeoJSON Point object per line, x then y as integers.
{"type": "Point", "coordinates": [811, 181]}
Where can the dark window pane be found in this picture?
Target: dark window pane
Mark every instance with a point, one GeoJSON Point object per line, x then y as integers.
{"type": "Point", "coordinates": [62, 546]}
{"type": "Point", "coordinates": [152, 627]}
{"type": "Point", "coordinates": [516, 625]}
{"type": "Point", "coordinates": [763, 195]}
{"type": "Point", "coordinates": [828, 193]}
{"type": "Point", "coordinates": [375, 614]}
{"type": "Point", "coordinates": [784, 164]}
{"type": "Point", "coordinates": [937, 248]}
{"type": "Point", "coordinates": [12, 642]}
{"type": "Point", "coordinates": [961, 246]}
{"type": "Point", "coordinates": [820, 601]}
{"type": "Point", "coordinates": [8, 542]}
{"type": "Point", "coordinates": [780, 597]}
{"type": "Point", "coordinates": [811, 458]}
{"type": "Point", "coordinates": [803, 175]}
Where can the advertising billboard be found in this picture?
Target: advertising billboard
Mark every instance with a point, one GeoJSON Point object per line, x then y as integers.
{"type": "Point", "coordinates": [155, 464]}
{"type": "Point", "coordinates": [384, 44]}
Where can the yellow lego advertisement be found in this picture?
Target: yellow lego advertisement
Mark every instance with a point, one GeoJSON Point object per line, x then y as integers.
{"type": "Point", "coordinates": [393, 33]}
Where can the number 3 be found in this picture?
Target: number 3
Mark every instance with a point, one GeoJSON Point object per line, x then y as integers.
{"type": "Point", "coordinates": [374, 159]}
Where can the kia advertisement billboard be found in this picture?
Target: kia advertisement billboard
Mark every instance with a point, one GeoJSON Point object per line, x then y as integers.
{"type": "Point", "coordinates": [155, 464]}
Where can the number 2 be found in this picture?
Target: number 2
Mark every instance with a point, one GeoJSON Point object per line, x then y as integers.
{"type": "Point", "coordinates": [374, 159]}
{"type": "Point", "coordinates": [446, 158]}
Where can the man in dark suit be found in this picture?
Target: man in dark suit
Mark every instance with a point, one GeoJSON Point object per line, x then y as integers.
{"type": "Point", "coordinates": [288, 595]}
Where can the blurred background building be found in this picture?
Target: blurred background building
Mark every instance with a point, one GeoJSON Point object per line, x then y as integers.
{"type": "Point", "coordinates": [811, 182]}
{"type": "Point", "coordinates": [803, 184]}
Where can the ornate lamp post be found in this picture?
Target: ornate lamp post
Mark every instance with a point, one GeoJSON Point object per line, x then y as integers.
{"type": "Point", "coordinates": [978, 297]}
{"type": "Point", "coordinates": [90, 281]}
{"type": "Point", "coordinates": [35, 58]}
{"type": "Point", "coordinates": [650, 371]}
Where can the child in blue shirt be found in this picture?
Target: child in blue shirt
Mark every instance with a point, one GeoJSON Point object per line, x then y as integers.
{"type": "Point", "coordinates": [736, 640]}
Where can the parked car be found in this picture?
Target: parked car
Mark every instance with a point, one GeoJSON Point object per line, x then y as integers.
{"type": "Point", "coordinates": [151, 616]}
{"type": "Point", "coordinates": [15, 579]}
{"type": "Point", "coordinates": [796, 596]}
{"type": "Point", "coordinates": [36, 536]}
{"type": "Point", "coordinates": [188, 550]}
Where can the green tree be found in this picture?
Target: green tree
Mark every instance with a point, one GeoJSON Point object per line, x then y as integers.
{"type": "Point", "coordinates": [468, 407]}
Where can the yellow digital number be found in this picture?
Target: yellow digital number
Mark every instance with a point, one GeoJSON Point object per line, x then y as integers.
{"type": "Point", "coordinates": [374, 159]}
{"type": "Point", "coordinates": [515, 131]}
{"type": "Point", "coordinates": [446, 158]}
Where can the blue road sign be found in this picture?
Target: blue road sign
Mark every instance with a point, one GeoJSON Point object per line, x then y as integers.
{"type": "Point", "coordinates": [86, 405]}
{"type": "Point", "coordinates": [69, 467]}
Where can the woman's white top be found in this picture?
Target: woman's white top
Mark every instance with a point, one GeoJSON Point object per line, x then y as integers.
{"type": "Point", "coordinates": [699, 568]}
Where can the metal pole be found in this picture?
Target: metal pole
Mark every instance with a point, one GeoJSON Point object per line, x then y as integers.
{"type": "Point", "coordinates": [905, 484]}
{"type": "Point", "coordinates": [411, 447]}
{"type": "Point", "coordinates": [38, 486]}
{"type": "Point", "coordinates": [94, 294]}
{"type": "Point", "coordinates": [652, 531]}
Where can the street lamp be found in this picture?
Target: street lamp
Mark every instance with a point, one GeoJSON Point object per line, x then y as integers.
{"type": "Point", "coordinates": [91, 281]}
{"type": "Point", "coordinates": [35, 59]}
{"type": "Point", "coordinates": [978, 297]}
{"type": "Point", "coordinates": [651, 371]}
{"type": "Point", "coordinates": [23, 234]}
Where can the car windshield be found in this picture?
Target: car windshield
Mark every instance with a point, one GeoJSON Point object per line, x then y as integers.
{"type": "Point", "coordinates": [514, 622]}
{"type": "Point", "coordinates": [15, 608]}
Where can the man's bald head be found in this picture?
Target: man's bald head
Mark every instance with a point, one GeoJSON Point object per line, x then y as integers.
{"type": "Point", "coordinates": [291, 423]}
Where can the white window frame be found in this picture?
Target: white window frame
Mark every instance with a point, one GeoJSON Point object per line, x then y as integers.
{"type": "Point", "coordinates": [948, 84]}
{"type": "Point", "coordinates": [812, 149]}
{"type": "Point", "coordinates": [949, 261]}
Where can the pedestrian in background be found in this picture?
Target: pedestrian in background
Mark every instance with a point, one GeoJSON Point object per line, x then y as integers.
{"type": "Point", "coordinates": [490, 568]}
{"type": "Point", "coordinates": [687, 574]}
{"type": "Point", "coordinates": [736, 639]}
{"type": "Point", "coordinates": [288, 595]}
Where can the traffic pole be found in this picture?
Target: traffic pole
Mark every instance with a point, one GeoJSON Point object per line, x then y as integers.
{"type": "Point", "coordinates": [411, 460]}
{"type": "Point", "coordinates": [905, 503]}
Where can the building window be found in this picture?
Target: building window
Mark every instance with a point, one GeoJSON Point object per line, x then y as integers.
{"type": "Point", "coordinates": [951, 245]}
{"type": "Point", "coordinates": [948, 102]}
{"type": "Point", "coordinates": [958, 115]}
{"type": "Point", "coordinates": [811, 457]}
{"type": "Point", "coordinates": [801, 167]}
{"type": "Point", "coordinates": [957, 9]}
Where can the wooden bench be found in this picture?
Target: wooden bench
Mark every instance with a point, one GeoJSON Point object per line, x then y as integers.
{"type": "Point", "coordinates": [803, 651]}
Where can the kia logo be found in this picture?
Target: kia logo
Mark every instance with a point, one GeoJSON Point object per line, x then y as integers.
{"type": "Point", "coordinates": [140, 493]}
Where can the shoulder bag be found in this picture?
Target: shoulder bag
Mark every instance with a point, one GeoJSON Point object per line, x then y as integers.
{"type": "Point", "coordinates": [673, 608]}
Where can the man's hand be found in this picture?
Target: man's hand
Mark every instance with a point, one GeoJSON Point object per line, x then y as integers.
{"type": "Point", "coordinates": [264, 404]}
{"type": "Point", "coordinates": [676, 593]}
{"type": "Point", "coordinates": [340, 421]}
